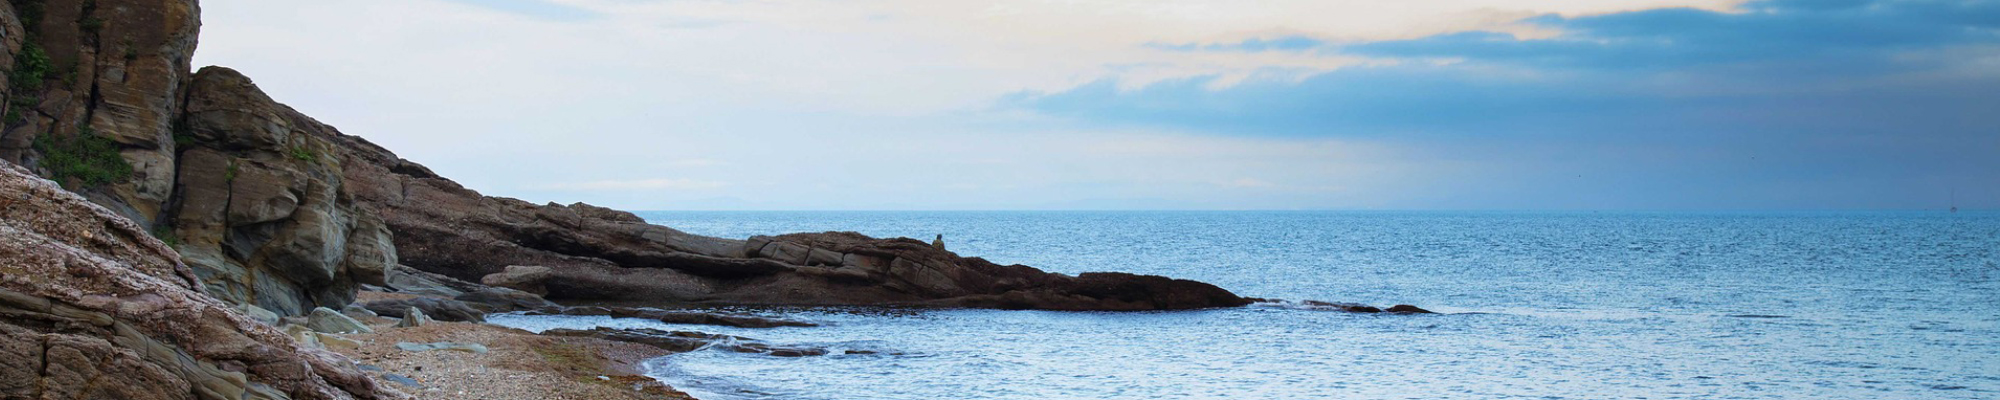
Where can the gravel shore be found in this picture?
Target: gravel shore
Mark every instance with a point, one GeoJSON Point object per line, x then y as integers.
{"type": "Point", "coordinates": [517, 365]}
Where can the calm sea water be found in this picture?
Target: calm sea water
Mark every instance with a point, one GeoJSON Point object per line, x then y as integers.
{"type": "Point", "coordinates": [1541, 306]}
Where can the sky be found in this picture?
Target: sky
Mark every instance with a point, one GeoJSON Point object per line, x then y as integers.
{"type": "Point", "coordinates": [1154, 104]}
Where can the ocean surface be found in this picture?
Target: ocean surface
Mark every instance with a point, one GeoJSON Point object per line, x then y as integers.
{"type": "Point", "coordinates": [1902, 305]}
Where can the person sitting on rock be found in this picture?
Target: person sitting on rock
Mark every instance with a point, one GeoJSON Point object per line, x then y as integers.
{"type": "Point", "coordinates": [939, 242]}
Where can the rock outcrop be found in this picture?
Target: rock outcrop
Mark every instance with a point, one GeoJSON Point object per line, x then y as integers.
{"type": "Point", "coordinates": [100, 98]}
{"type": "Point", "coordinates": [91, 306]}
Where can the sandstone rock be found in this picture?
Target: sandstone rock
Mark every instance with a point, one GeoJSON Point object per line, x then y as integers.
{"type": "Point", "coordinates": [452, 346]}
{"type": "Point", "coordinates": [412, 281]}
{"type": "Point", "coordinates": [97, 308]}
{"type": "Point", "coordinates": [413, 317]}
{"type": "Point", "coordinates": [495, 299]}
{"type": "Point", "coordinates": [327, 320]}
{"type": "Point", "coordinates": [440, 309]}
{"type": "Point", "coordinates": [336, 342]}
{"type": "Point", "coordinates": [521, 277]}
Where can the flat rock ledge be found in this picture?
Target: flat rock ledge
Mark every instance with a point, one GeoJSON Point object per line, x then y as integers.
{"type": "Point", "coordinates": [684, 341]}
{"type": "Point", "coordinates": [676, 317]}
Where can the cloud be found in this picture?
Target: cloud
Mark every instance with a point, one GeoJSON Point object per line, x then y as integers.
{"type": "Point", "coordinates": [1790, 57]}
{"type": "Point", "coordinates": [877, 104]}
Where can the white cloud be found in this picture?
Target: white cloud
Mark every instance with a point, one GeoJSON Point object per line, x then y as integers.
{"type": "Point", "coordinates": [822, 104]}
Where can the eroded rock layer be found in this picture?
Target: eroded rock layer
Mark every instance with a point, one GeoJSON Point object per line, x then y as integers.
{"type": "Point", "coordinates": [91, 306]}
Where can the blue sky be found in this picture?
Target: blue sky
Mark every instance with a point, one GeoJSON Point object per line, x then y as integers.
{"type": "Point", "coordinates": [1274, 104]}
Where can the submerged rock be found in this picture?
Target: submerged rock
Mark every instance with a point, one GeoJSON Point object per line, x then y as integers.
{"type": "Point", "coordinates": [1408, 309]}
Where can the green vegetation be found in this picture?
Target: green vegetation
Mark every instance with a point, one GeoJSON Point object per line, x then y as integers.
{"type": "Point", "coordinates": [166, 235]}
{"type": "Point", "coordinates": [229, 175]}
{"type": "Point", "coordinates": [302, 154]}
{"type": "Point", "coordinates": [30, 65]}
{"type": "Point", "coordinates": [85, 159]}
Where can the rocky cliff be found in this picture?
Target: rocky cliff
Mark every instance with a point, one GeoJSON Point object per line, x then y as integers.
{"type": "Point", "coordinates": [271, 208]}
{"type": "Point", "coordinates": [92, 307]}
{"type": "Point", "coordinates": [99, 98]}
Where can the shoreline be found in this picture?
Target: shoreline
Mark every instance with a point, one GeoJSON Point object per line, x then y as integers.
{"type": "Point", "coordinates": [518, 364]}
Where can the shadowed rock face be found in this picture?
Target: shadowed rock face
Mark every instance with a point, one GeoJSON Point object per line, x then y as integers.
{"type": "Point", "coordinates": [91, 306]}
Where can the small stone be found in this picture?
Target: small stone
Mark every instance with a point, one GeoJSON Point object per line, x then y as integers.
{"type": "Point", "coordinates": [404, 380]}
{"type": "Point", "coordinates": [465, 347]}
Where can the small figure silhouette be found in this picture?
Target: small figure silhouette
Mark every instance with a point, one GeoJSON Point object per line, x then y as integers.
{"type": "Point", "coordinates": [939, 242]}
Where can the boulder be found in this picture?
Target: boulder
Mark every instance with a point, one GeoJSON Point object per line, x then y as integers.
{"type": "Point", "coordinates": [358, 312]}
{"type": "Point", "coordinates": [521, 277]}
{"type": "Point", "coordinates": [439, 309]}
{"type": "Point", "coordinates": [327, 320]}
{"type": "Point", "coordinates": [96, 307]}
{"type": "Point", "coordinates": [413, 317]}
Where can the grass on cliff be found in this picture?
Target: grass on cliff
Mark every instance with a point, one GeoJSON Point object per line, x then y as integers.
{"type": "Point", "coordinates": [85, 160]}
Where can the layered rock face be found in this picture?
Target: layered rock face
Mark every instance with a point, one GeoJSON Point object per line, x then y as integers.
{"type": "Point", "coordinates": [111, 69]}
{"type": "Point", "coordinates": [91, 306]}
{"type": "Point", "coordinates": [259, 209]}
{"type": "Point", "coordinates": [99, 97]}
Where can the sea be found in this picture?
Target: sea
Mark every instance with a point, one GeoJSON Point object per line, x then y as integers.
{"type": "Point", "coordinates": [1532, 305]}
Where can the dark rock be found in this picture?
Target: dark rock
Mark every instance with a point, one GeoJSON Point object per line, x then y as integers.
{"type": "Point", "coordinates": [1348, 307]}
{"type": "Point", "coordinates": [1408, 309]}
{"type": "Point", "coordinates": [682, 341]}
{"type": "Point", "coordinates": [439, 309]}
{"type": "Point", "coordinates": [676, 317]}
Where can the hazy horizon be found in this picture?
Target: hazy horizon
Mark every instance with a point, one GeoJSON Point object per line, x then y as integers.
{"type": "Point", "coordinates": [1477, 105]}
